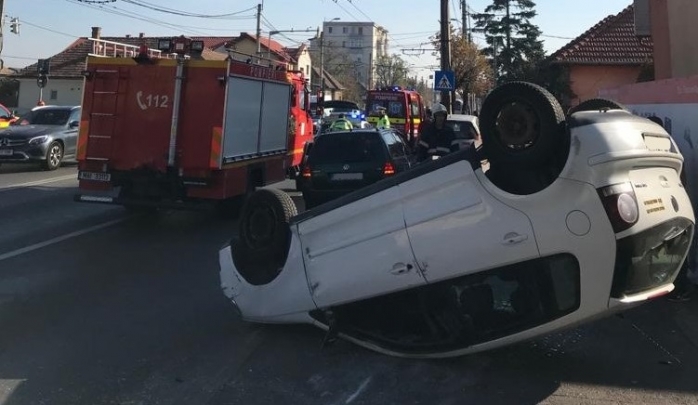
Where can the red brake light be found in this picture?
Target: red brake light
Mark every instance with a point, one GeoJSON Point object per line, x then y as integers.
{"type": "Point", "coordinates": [306, 172]}
{"type": "Point", "coordinates": [621, 205]}
{"type": "Point", "coordinates": [388, 169]}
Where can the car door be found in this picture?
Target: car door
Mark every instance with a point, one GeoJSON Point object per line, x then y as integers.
{"type": "Point", "coordinates": [456, 227]}
{"type": "Point", "coordinates": [71, 133]}
{"type": "Point", "coordinates": [359, 249]}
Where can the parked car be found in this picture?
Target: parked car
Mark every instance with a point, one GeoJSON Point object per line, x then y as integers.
{"type": "Point", "coordinates": [46, 135]}
{"type": "Point", "coordinates": [576, 218]}
{"type": "Point", "coordinates": [466, 128]}
{"type": "Point", "coordinates": [342, 162]}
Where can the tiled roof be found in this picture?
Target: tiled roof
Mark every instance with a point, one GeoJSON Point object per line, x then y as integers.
{"type": "Point", "coordinates": [610, 42]}
{"type": "Point", "coordinates": [267, 43]}
{"type": "Point", "coordinates": [70, 62]}
{"type": "Point", "coordinates": [296, 52]}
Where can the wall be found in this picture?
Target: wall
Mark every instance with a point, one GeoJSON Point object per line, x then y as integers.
{"type": "Point", "coordinates": [674, 32]}
{"type": "Point", "coordinates": [306, 64]}
{"type": "Point", "coordinates": [68, 92]}
{"type": "Point", "coordinates": [586, 81]}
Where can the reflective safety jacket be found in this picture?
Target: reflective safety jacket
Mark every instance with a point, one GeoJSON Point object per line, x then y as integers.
{"type": "Point", "coordinates": [342, 124]}
{"type": "Point", "coordinates": [383, 122]}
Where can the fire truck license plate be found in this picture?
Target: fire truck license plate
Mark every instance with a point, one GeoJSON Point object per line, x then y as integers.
{"type": "Point", "coordinates": [95, 176]}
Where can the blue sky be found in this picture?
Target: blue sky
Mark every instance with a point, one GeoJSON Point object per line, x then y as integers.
{"type": "Point", "coordinates": [48, 26]}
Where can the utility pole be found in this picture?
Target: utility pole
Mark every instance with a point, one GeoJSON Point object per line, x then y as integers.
{"type": "Point", "coordinates": [445, 51]}
{"type": "Point", "coordinates": [321, 103]}
{"type": "Point", "coordinates": [466, 19]}
{"type": "Point", "coordinates": [259, 29]}
{"type": "Point", "coordinates": [2, 30]}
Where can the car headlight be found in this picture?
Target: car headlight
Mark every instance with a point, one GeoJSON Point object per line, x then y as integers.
{"type": "Point", "coordinates": [38, 140]}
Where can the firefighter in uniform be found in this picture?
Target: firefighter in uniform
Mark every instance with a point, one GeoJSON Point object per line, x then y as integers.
{"type": "Point", "coordinates": [437, 139]}
{"type": "Point", "coordinates": [342, 124]}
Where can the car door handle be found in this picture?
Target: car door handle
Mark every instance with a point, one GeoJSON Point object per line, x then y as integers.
{"type": "Point", "coordinates": [513, 238]}
{"type": "Point", "coordinates": [400, 268]}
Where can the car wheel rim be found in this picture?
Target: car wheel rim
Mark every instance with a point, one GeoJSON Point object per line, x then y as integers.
{"type": "Point", "coordinates": [260, 226]}
{"type": "Point", "coordinates": [518, 125]}
{"type": "Point", "coordinates": [55, 156]}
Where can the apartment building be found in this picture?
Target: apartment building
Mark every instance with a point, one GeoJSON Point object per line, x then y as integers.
{"type": "Point", "coordinates": [362, 43]}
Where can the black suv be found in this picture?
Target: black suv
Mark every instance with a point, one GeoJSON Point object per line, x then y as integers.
{"type": "Point", "coordinates": [341, 162]}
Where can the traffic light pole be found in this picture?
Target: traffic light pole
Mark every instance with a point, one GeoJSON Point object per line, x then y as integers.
{"type": "Point", "coordinates": [2, 30]}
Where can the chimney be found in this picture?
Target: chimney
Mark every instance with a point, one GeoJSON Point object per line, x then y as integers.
{"type": "Point", "coordinates": [96, 32]}
{"type": "Point", "coordinates": [141, 35]}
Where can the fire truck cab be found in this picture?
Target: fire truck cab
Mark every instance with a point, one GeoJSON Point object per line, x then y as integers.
{"type": "Point", "coordinates": [405, 108]}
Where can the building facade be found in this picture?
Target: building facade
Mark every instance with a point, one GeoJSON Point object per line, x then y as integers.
{"type": "Point", "coordinates": [360, 44]}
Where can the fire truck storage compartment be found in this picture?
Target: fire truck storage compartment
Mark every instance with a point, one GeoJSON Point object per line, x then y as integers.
{"type": "Point", "coordinates": [256, 119]}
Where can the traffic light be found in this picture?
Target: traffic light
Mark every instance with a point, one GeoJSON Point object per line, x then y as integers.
{"type": "Point", "coordinates": [14, 25]}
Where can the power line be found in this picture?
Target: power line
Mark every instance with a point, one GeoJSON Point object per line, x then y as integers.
{"type": "Point", "coordinates": [173, 11]}
{"type": "Point", "coordinates": [345, 10]}
{"type": "Point", "coordinates": [49, 29]}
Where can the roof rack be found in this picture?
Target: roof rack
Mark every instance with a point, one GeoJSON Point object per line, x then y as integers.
{"type": "Point", "coordinates": [111, 49]}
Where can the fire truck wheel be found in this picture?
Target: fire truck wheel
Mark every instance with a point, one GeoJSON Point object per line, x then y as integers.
{"type": "Point", "coordinates": [596, 104]}
{"type": "Point", "coordinates": [521, 124]}
{"type": "Point", "coordinates": [54, 156]}
{"type": "Point", "coordinates": [264, 228]}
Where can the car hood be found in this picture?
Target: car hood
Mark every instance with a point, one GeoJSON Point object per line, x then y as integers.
{"type": "Point", "coordinates": [29, 131]}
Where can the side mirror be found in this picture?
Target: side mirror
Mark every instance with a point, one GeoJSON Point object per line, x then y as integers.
{"type": "Point", "coordinates": [74, 124]}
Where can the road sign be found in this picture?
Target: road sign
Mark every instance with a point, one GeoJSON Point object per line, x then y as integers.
{"type": "Point", "coordinates": [444, 80]}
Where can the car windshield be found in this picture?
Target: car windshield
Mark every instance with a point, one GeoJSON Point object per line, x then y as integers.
{"type": "Point", "coordinates": [45, 116]}
{"type": "Point", "coordinates": [339, 105]}
{"type": "Point", "coordinates": [463, 129]}
{"type": "Point", "coordinates": [347, 147]}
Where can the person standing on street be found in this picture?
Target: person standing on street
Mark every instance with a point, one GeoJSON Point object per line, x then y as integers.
{"type": "Point", "coordinates": [342, 124]}
{"type": "Point", "coordinates": [437, 139]}
{"type": "Point", "coordinates": [383, 119]}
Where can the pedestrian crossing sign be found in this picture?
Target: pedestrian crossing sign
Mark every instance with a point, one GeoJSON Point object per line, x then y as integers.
{"type": "Point", "coordinates": [444, 80]}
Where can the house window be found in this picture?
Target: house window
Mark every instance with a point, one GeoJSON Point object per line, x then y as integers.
{"type": "Point", "coordinates": [361, 30]}
{"type": "Point", "coordinates": [54, 95]}
{"type": "Point", "coordinates": [307, 69]}
{"type": "Point", "coordinates": [344, 30]}
{"type": "Point", "coordinates": [329, 30]}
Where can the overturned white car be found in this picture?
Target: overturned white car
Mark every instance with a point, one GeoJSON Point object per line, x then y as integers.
{"type": "Point", "coordinates": [576, 217]}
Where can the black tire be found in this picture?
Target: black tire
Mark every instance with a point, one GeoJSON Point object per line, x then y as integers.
{"type": "Point", "coordinates": [596, 104]}
{"type": "Point", "coordinates": [533, 118]}
{"type": "Point", "coordinates": [264, 224]}
{"type": "Point", "coordinates": [54, 156]}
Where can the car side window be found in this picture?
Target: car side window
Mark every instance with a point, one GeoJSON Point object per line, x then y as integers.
{"type": "Point", "coordinates": [74, 115]}
{"type": "Point", "coordinates": [395, 145]}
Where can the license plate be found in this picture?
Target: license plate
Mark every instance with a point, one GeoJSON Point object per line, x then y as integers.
{"type": "Point", "coordinates": [348, 176]}
{"type": "Point", "coordinates": [6, 152]}
{"type": "Point", "coordinates": [94, 176]}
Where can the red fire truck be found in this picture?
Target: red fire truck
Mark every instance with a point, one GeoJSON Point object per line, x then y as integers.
{"type": "Point", "coordinates": [405, 108]}
{"type": "Point", "coordinates": [182, 132]}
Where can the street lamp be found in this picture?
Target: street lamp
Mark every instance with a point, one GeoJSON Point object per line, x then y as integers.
{"type": "Point", "coordinates": [320, 36]}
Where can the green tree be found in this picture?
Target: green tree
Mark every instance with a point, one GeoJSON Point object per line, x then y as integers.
{"type": "Point", "coordinates": [471, 68]}
{"type": "Point", "coordinates": [391, 70]}
{"type": "Point", "coordinates": [513, 41]}
{"type": "Point", "coordinates": [337, 63]}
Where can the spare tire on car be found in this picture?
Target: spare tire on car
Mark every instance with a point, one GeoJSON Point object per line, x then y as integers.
{"type": "Point", "coordinates": [264, 237]}
{"type": "Point", "coordinates": [596, 104]}
{"type": "Point", "coordinates": [521, 124]}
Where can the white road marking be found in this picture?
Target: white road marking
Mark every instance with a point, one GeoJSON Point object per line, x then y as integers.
{"type": "Point", "coordinates": [39, 182]}
{"type": "Point", "coordinates": [58, 239]}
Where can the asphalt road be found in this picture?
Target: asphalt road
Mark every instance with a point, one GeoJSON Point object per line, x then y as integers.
{"type": "Point", "coordinates": [97, 307]}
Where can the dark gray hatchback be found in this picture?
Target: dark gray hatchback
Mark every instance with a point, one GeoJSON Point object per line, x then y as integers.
{"type": "Point", "coordinates": [46, 135]}
{"type": "Point", "coordinates": [342, 162]}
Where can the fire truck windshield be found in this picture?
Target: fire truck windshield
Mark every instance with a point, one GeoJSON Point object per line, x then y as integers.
{"type": "Point", "coordinates": [395, 109]}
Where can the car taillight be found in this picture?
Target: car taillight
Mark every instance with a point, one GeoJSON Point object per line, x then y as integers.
{"type": "Point", "coordinates": [306, 172]}
{"type": "Point", "coordinates": [388, 169]}
{"type": "Point", "coordinates": [621, 205]}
